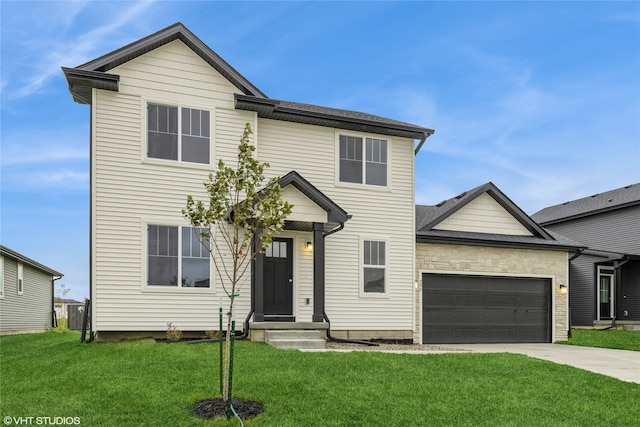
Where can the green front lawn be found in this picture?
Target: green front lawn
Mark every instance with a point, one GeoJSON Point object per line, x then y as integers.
{"type": "Point", "coordinates": [610, 338]}
{"type": "Point", "coordinates": [148, 383]}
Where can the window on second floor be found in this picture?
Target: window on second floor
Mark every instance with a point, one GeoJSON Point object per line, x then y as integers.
{"type": "Point", "coordinates": [363, 160]}
{"type": "Point", "coordinates": [178, 133]}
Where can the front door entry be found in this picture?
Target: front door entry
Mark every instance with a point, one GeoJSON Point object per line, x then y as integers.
{"type": "Point", "coordinates": [606, 294]}
{"type": "Point", "coordinates": [278, 280]}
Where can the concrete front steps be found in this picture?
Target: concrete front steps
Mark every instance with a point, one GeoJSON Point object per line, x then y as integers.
{"type": "Point", "coordinates": [296, 339]}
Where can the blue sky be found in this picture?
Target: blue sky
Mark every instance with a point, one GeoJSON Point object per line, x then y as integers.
{"type": "Point", "coordinates": [541, 98]}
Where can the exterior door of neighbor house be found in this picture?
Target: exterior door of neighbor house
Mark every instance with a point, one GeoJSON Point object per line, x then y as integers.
{"type": "Point", "coordinates": [278, 280]}
{"type": "Point", "coordinates": [605, 293]}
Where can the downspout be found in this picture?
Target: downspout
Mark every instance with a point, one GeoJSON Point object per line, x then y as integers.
{"type": "Point", "coordinates": [324, 313]}
{"type": "Point", "coordinates": [422, 140]}
{"type": "Point", "coordinates": [578, 253]}
{"type": "Point", "coordinates": [54, 319]}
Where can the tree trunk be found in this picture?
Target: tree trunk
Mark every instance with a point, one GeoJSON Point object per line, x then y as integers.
{"type": "Point", "coordinates": [227, 355]}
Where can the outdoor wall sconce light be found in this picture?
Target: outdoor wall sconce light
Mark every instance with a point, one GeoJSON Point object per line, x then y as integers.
{"type": "Point", "coordinates": [309, 246]}
{"type": "Point", "coordinates": [563, 289]}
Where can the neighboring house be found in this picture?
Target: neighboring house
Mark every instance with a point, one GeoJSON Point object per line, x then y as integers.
{"type": "Point", "coordinates": [605, 278]}
{"type": "Point", "coordinates": [61, 306]}
{"type": "Point", "coordinates": [488, 273]}
{"type": "Point", "coordinates": [164, 111]}
{"type": "Point", "coordinates": [26, 293]}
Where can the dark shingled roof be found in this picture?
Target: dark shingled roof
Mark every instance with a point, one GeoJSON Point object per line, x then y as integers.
{"type": "Point", "coordinates": [330, 117]}
{"type": "Point", "coordinates": [5, 251]}
{"type": "Point", "coordinates": [94, 74]}
{"type": "Point", "coordinates": [597, 203]}
{"type": "Point", "coordinates": [428, 217]}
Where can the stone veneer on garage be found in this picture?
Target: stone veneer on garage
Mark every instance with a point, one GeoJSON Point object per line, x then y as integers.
{"type": "Point", "coordinates": [482, 260]}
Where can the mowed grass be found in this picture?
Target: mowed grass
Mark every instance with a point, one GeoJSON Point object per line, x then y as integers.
{"type": "Point", "coordinates": [610, 338]}
{"type": "Point", "coordinates": [148, 383]}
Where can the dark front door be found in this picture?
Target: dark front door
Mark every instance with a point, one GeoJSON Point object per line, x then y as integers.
{"type": "Point", "coordinates": [606, 295]}
{"type": "Point", "coordinates": [278, 280]}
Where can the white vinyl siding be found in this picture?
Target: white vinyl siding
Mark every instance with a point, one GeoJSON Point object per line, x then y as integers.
{"type": "Point", "coordinates": [129, 190]}
{"type": "Point", "coordinates": [484, 215]}
{"type": "Point", "coordinates": [312, 151]}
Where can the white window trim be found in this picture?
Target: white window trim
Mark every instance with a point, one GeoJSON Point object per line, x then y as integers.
{"type": "Point", "coordinates": [145, 261]}
{"type": "Point", "coordinates": [362, 265]}
{"type": "Point", "coordinates": [1, 277]}
{"type": "Point", "coordinates": [20, 279]}
{"type": "Point", "coordinates": [176, 163]}
{"type": "Point", "coordinates": [363, 184]}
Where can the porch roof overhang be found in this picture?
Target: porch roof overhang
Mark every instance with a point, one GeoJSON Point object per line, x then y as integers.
{"type": "Point", "coordinates": [335, 214]}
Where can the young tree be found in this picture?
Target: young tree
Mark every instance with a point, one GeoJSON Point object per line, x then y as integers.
{"type": "Point", "coordinates": [241, 217]}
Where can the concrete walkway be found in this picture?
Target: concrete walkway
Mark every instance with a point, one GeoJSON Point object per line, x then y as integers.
{"type": "Point", "coordinates": [621, 364]}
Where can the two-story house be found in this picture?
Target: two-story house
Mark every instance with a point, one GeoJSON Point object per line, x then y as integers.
{"type": "Point", "coordinates": [604, 278]}
{"type": "Point", "coordinates": [163, 111]}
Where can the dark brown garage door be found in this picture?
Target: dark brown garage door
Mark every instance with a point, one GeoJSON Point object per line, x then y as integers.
{"type": "Point", "coordinates": [485, 309]}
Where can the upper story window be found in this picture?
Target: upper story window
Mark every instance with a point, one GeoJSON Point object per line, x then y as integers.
{"type": "Point", "coordinates": [176, 252]}
{"type": "Point", "coordinates": [363, 160]}
{"type": "Point", "coordinates": [178, 133]}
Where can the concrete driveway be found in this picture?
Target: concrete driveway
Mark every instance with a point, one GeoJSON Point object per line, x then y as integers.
{"type": "Point", "coordinates": [621, 364]}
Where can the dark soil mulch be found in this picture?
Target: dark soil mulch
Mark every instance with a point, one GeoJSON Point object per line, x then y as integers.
{"type": "Point", "coordinates": [212, 408]}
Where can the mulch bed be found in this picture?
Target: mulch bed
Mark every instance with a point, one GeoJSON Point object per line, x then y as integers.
{"type": "Point", "coordinates": [213, 408]}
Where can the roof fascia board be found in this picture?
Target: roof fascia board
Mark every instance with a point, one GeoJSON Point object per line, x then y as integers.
{"type": "Point", "coordinates": [502, 199]}
{"type": "Point", "coordinates": [5, 251]}
{"type": "Point", "coordinates": [491, 243]}
{"type": "Point", "coordinates": [273, 109]}
{"type": "Point", "coordinates": [464, 200]}
{"type": "Point", "coordinates": [517, 213]}
{"type": "Point", "coordinates": [336, 213]}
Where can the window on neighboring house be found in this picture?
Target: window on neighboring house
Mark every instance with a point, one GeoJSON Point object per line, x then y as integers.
{"type": "Point", "coordinates": [165, 141]}
{"type": "Point", "coordinates": [374, 263]}
{"type": "Point", "coordinates": [176, 252]}
{"type": "Point", "coordinates": [363, 160]}
{"type": "Point", "coordinates": [20, 279]}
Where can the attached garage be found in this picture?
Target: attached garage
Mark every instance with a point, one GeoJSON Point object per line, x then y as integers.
{"type": "Point", "coordinates": [485, 309]}
{"type": "Point", "coordinates": [487, 273]}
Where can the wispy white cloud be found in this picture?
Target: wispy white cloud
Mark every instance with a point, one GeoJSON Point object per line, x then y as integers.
{"type": "Point", "coordinates": [54, 49]}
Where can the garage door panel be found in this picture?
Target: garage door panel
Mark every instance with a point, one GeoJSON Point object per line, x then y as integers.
{"type": "Point", "coordinates": [485, 309]}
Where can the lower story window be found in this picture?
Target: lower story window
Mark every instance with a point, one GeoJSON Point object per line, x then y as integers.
{"type": "Point", "coordinates": [176, 257]}
{"type": "Point", "coordinates": [374, 263]}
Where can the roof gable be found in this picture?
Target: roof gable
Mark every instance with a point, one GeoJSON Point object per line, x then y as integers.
{"type": "Point", "coordinates": [94, 73]}
{"type": "Point", "coordinates": [483, 214]}
{"type": "Point", "coordinates": [437, 224]}
{"type": "Point", "coordinates": [335, 214]}
{"type": "Point", "coordinates": [431, 217]}
{"type": "Point", "coordinates": [598, 203]}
